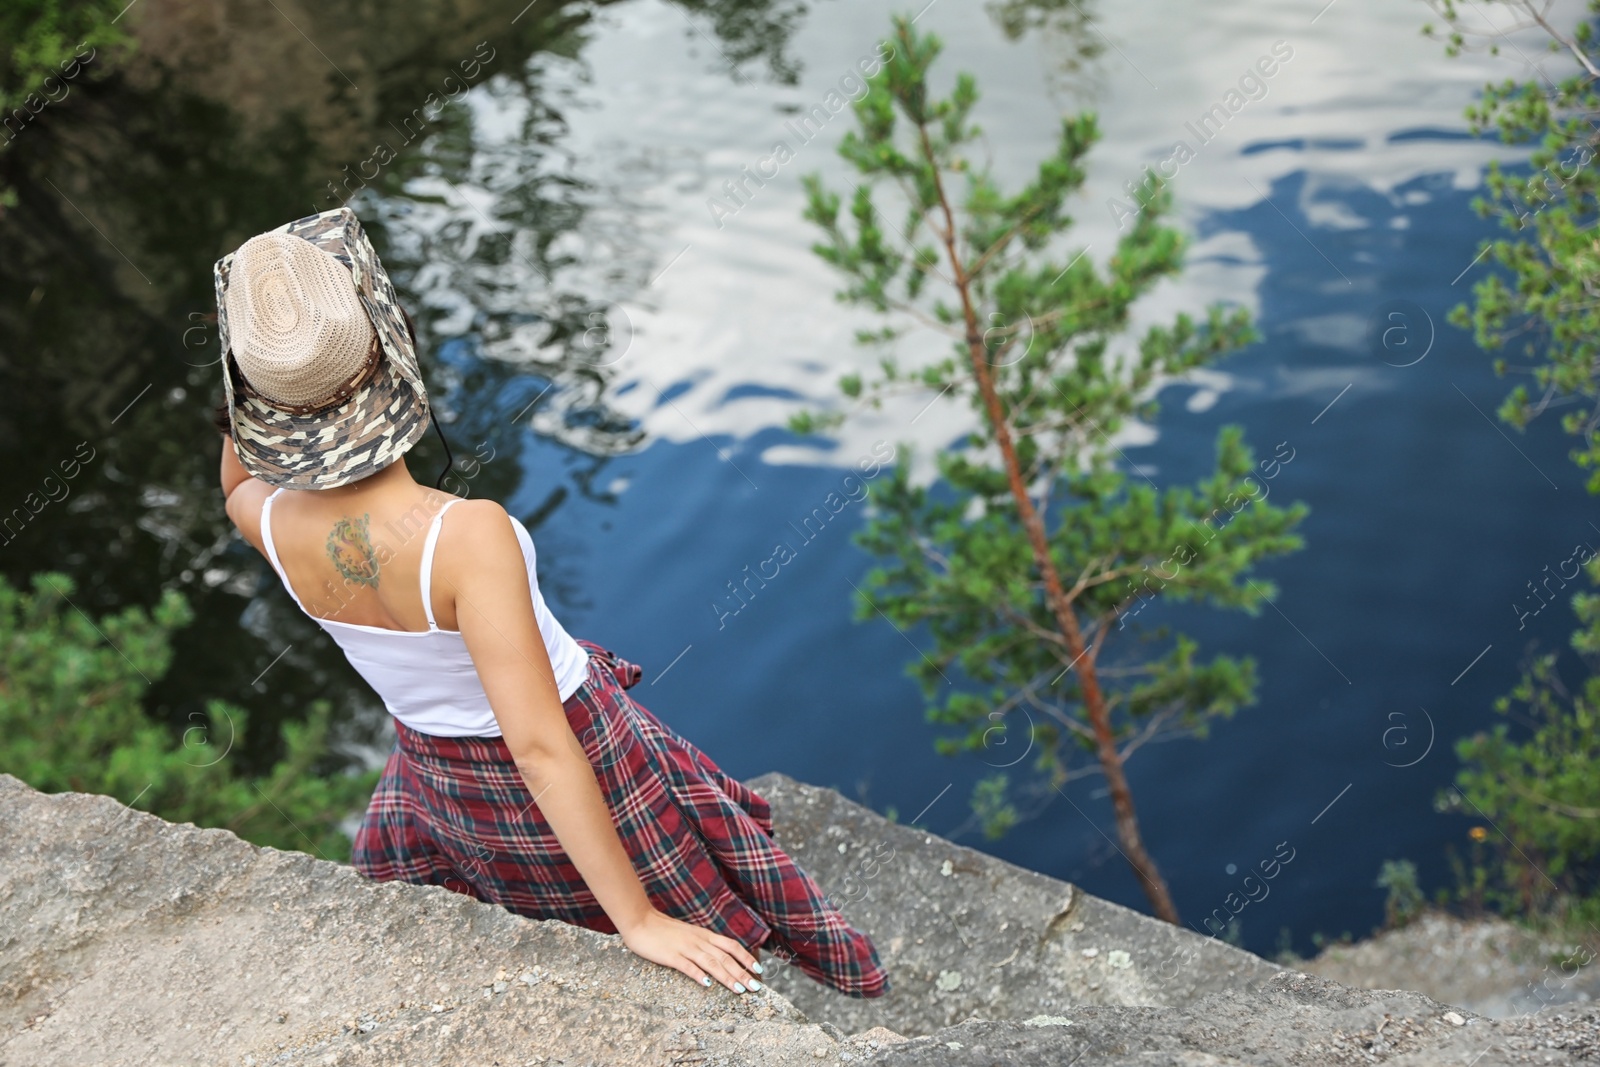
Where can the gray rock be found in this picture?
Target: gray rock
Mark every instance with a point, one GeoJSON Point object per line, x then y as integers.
{"type": "Point", "coordinates": [965, 934]}
{"type": "Point", "coordinates": [128, 940]}
{"type": "Point", "coordinates": [1491, 966]}
{"type": "Point", "coordinates": [1294, 1019]}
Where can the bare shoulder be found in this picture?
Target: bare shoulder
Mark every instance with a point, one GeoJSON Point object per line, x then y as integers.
{"type": "Point", "coordinates": [479, 536]}
{"type": "Point", "coordinates": [480, 562]}
{"type": "Point", "coordinates": [243, 506]}
{"type": "Point", "coordinates": [479, 516]}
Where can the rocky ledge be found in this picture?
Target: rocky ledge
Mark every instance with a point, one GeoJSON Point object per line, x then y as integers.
{"type": "Point", "coordinates": [128, 940]}
{"type": "Point", "coordinates": [1490, 966]}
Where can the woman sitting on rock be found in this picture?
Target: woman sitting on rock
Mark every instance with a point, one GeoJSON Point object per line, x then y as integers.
{"type": "Point", "coordinates": [489, 790]}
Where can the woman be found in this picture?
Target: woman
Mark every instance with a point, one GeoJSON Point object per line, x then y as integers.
{"type": "Point", "coordinates": [435, 601]}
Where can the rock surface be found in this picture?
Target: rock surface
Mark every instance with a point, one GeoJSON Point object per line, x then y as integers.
{"type": "Point", "coordinates": [1294, 1018]}
{"type": "Point", "coordinates": [128, 940]}
{"type": "Point", "coordinates": [1489, 966]}
{"type": "Point", "coordinates": [964, 934]}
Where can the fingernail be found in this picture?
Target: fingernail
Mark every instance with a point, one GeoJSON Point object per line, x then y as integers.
{"type": "Point", "coordinates": [705, 981]}
{"type": "Point", "coordinates": [738, 987]}
{"type": "Point", "coordinates": [754, 984]}
{"type": "Point", "coordinates": [756, 967]}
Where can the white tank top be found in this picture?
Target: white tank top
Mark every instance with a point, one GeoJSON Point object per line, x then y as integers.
{"type": "Point", "coordinates": [426, 678]}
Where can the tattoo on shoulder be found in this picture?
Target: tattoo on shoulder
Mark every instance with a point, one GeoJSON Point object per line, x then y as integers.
{"type": "Point", "coordinates": [350, 548]}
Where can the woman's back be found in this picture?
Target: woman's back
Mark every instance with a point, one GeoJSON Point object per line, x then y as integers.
{"type": "Point", "coordinates": [362, 562]}
{"type": "Point", "coordinates": [356, 558]}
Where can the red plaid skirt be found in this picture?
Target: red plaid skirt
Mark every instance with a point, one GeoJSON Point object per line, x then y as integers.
{"type": "Point", "coordinates": [455, 812]}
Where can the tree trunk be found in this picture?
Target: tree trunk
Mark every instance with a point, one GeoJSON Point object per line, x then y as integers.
{"type": "Point", "coordinates": [1133, 850]}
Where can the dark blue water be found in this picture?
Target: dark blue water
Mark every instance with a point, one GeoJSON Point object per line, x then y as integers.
{"type": "Point", "coordinates": [653, 485]}
{"type": "Point", "coordinates": [1425, 523]}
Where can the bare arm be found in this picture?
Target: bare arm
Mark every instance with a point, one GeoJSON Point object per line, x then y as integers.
{"type": "Point", "coordinates": [243, 494]}
{"type": "Point", "coordinates": [480, 561]}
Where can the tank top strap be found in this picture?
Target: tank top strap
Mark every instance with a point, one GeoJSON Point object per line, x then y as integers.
{"type": "Point", "coordinates": [427, 562]}
{"type": "Point", "coordinates": [272, 549]}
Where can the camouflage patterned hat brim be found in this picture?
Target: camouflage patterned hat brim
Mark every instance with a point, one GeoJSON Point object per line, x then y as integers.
{"type": "Point", "coordinates": [334, 446]}
{"type": "Point", "coordinates": [366, 432]}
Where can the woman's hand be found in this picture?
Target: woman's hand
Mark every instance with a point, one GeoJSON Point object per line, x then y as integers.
{"type": "Point", "coordinates": [698, 953]}
{"type": "Point", "coordinates": [483, 565]}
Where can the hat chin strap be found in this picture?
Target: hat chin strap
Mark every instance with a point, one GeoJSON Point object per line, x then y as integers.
{"type": "Point", "coordinates": [449, 459]}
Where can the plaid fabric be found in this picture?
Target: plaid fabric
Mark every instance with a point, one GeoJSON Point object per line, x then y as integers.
{"type": "Point", "coordinates": [455, 812]}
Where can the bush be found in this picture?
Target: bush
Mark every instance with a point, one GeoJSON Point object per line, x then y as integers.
{"type": "Point", "coordinates": [43, 46]}
{"type": "Point", "coordinates": [1540, 792]}
{"type": "Point", "coordinates": [41, 37]}
{"type": "Point", "coordinates": [71, 720]}
{"type": "Point", "coordinates": [1405, 900]}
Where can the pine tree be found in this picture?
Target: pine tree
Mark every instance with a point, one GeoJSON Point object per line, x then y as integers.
{"type": "Point", "coordinates": [1033, 555]}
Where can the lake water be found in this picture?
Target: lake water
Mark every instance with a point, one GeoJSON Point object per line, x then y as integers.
{"type": "Point", "coordinates": [577, 193]}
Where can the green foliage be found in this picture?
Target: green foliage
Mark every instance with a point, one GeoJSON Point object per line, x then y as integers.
{"type": "Point", "coordinates": [44, 38]}
{"type": "Point", "coordinates": [71, 720]}
{"type": "Point", "coordinates": [1540, 787]}
{"type": "Point", "coordinates": [1542, 790]}
{"type": "Point", "coordinates": [1320, 940]}
{"type": "Point", "coordinates": [956, 249]}
{"type": "Point", "coordinates": [1548, 311]}
{"type": "Point", "coordinates": [1284, 953]}
{"type": "Point", "coordinates": [41, 37]}
{"type": "Point", "coordinates": [1405, 900]}
{"type": "Point", "coordinates": [995, 813]}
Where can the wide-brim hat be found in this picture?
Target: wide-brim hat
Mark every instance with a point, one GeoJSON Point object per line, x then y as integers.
{"type": "Point", "coordinates": [322, 382]}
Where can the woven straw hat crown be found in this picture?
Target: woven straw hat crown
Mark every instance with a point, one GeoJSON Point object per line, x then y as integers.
{"type": "Point", "coordinates": [297, 326]}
